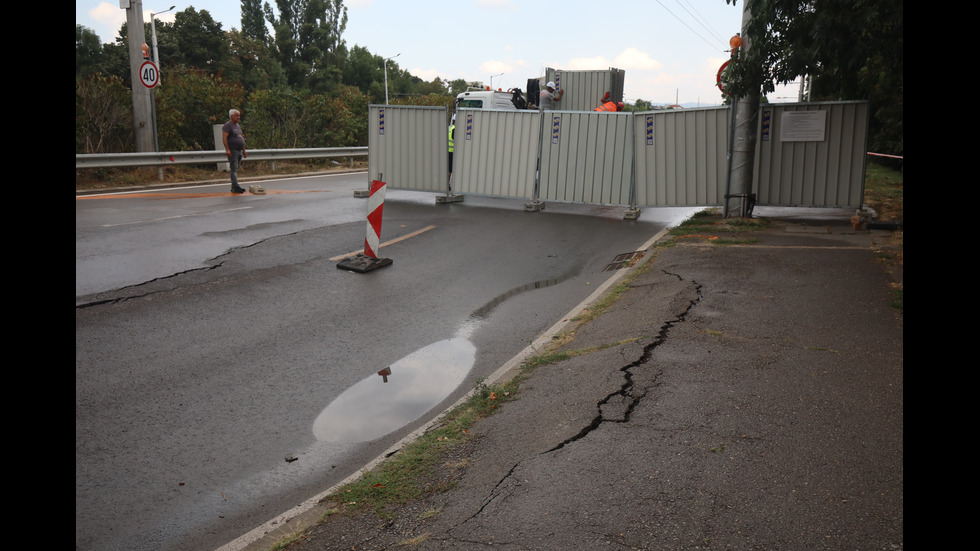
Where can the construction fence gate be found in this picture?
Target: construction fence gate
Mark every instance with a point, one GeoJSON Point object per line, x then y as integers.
{"type": "Point", "coordinates": [807, 155]}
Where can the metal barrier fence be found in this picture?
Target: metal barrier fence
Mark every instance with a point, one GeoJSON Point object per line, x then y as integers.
{"type": "Point", "coordinates": [681, 156]}
{"type": "Point", "coordinates": [812, 154]}
{"type": "Point", "coordinates": [165, 158]}
{"type": "Point", "coordinates": [586, 157]}
{"type": "Point", "coordinates": [496, 152]}
{"type": "Point", "coordinates": [409, 146]}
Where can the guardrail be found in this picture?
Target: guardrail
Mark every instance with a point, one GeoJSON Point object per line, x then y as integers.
{"type": "Point", "coordinates": [164, 158]}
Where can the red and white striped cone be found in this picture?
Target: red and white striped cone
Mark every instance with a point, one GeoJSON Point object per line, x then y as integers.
{"type": "Point", "coordinates": [368, 260]}
{"type": "Point", "coordinates": [376, 205]}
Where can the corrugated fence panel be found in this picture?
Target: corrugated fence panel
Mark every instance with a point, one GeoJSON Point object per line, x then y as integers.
{"type": "Point", "coordinates": [585, 89]}
{"type": "Point", "coordinates": [409, 146]}
{"type": "Point", "coordinates": [495, 152]}
{"type": "Point", "coordinates": [586, 157]}
{"type": "Point", "coordinates": [681, 157]}
{"type": "Point", "coordinates": [812, 154]}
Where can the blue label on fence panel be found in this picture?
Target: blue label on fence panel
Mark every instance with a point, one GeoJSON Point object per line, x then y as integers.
{"type": "Point", "coordinates": [554, 130]}
{"type": "Point", "coordinates": [649, 130]}
{"type": "Point", "coordinates": [381, 122]}
{"type": "Point", "coordinates": [766, 124]}
{"type": "Point", "coordinates": [469, 126]}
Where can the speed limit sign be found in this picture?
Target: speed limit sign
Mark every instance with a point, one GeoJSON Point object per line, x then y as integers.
{"type": "Point", "coordinates": [149, 74]}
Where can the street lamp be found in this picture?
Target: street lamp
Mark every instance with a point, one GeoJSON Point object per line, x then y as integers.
{"type": "Point", "coordinates": [156, 61]}
{"type": "Point", "coordinates": [491, 79]}
{"type": "Point", "coordinates": [386, 75]}
{"type": "Point", "coordinates": [153, 34]}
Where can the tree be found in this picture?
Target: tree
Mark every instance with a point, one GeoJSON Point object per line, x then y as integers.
{"type": "Point", "coordinates": [253, 21]}
{"type": "Point", "coordinates": [253, 63]}
{"type": "Point", "coordinates": [850, 49]}
{"type": "Point", "coordinates": [199, 41]}
{"type": "Point", "coordinates": [88, 51]}
{"type": "Point", "coordinates": [189, 103]}
{"type": "Point", "coordinates": [307, 38]}
{"type": "Point", "coordinates": [362, 69]}
{"type": "Point", "coordinates": [457, 87]}
{"type": "Point", "coordinates": [103, 115]}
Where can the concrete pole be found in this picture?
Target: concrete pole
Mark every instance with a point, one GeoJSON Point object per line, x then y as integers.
{"type": "Point", "coordinates": [745, 134]}
{"type": "Point", "coordinates": [142, 116]}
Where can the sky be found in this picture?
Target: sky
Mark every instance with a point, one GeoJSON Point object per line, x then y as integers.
{"type": "Point", "coordinates": [670, 50]}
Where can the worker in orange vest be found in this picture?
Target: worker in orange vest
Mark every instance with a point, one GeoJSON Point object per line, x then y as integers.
{"type": "Point", "coordinates": [612, 106]}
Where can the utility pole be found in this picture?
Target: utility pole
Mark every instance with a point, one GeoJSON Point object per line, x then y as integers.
{"type": "Point", "coordinates": [745, 134]}
{"type": "Point", "coordinates": [142, 121]}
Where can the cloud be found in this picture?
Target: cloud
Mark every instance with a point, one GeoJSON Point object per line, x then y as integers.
{"type": "Point", "coordinates": [108, 20]}
{"type": "Point", "coordinates": [496, 67]}
{"type": "Point", "coordinates": [108, 13]}
{"type": "Point", "coordinates": [597, 63]}
{"type": "Point", "coordinates": [632, 58]}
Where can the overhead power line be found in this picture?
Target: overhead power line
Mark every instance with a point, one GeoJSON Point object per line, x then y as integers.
{"type": "Point", "coordinates": [713, 46]}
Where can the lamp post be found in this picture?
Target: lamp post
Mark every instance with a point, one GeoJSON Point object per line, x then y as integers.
{"type": "Point", "coordinates": [153, 35]}
{"type": "Point", "coordinates": [386, 75]}
{"type": "Point", "coordinates": [491, 79]}
{"type": "Point", "coordinates": [156, 61]}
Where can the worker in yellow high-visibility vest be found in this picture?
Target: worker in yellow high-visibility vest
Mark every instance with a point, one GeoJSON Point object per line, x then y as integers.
{"type": "Point", "coordinates": [452, 135]}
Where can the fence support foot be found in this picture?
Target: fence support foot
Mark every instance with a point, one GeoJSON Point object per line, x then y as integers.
{"type": "Point", "coordinates": [451, 198]}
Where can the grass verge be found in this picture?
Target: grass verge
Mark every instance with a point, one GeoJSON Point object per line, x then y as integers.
{"type": "Point", "coordinates": [406, 475]}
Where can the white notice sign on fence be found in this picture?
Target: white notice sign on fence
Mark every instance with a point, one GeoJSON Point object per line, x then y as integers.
{"type": "Point", "coordinates": [803, 126]}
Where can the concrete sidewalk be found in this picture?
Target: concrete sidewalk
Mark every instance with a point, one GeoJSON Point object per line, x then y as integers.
{"type": "Point", "coordinates": [756, 404]}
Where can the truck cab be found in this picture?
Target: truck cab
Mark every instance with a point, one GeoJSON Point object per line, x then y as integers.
{"type": "Point", "coordinates": [485, 99]}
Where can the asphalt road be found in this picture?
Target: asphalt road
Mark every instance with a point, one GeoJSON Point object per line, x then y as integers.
{"type": "Point", "coordinates": [222, 360]}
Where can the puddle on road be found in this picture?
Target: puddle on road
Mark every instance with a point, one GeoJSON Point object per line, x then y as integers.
{"type": "Point", "coordinates": [402, 392]}
{"type": "Point", "coordinates": [398, 394]}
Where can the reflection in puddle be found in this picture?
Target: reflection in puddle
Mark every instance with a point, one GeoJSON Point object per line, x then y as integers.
{"type": "Point", "coordinates": [372, 408]}
{"type": "Point", "coordinates": [405, 390]}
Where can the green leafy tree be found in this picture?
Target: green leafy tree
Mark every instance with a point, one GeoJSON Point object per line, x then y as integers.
{"type": "Point", "coordinates": [362, 69]}
{"type": "Point", "coordinates": [253, 21]}
{"type": "Point", "coordinates": [103, 115]}
{"type": "Point", "coordinates": [349, 117]}
{"type": "Point", "coordinates": [849, 49]}
{"type": "Point", "coordinates": [274, 118]}
{"type": "Point", "coordinates": [199, 41]}
{"type": "Point", "coordinates": [640, 106]}
{"type": "Point", "coordinates": [88, 51]}
{"type": "Point", "coordinates": [436, 87]}
{"type": "Point", "coordinates": [188, 105]}
{"type": "Point", "coordinates": [253, 63]}
{"type": "Point", "coordinates": [457, 87]}
{"type": "Point", "coordinates": [307, 39]}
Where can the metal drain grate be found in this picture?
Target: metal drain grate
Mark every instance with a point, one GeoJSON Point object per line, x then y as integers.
{"type": "Point", "coordinates": [624, 260]}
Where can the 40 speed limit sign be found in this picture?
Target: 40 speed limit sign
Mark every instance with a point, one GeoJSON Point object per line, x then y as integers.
{"type": "Point", "coordinates": [149, 74]}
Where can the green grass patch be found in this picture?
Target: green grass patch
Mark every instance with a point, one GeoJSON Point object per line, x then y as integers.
{"type": "Point", "coordinates": [406, 475]}
{"type": "Point", "coordinates": [708, 224]}
{"type": "Point", "coordinates": [898, 301]}
{"type": "Point", "coordinates": [884, 191]}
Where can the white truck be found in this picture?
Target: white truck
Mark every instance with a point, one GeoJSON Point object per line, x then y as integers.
{"type": "Point", "coordinates": [479, 98]}
{"type": "Point", "coordinates": [584, 91]}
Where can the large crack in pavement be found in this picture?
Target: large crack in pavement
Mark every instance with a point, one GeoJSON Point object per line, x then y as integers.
{"type": "Point", "coordinates": [607, 410]}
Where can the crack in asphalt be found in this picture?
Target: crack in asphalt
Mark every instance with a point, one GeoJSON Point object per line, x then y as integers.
{"type": "Point", "coordinates": [627, 392]}
{"type": "Point", "coordinates": [116, 300]}
{"type": "Point", "coordinates": [120, 299]}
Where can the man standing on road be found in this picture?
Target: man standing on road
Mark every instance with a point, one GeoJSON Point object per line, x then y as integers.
{"type": "Point", "coordinates": [234, 141]}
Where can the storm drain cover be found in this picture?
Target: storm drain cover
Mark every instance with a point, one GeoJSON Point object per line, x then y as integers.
{"type": "Point", "coordinates": [624, 260]}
